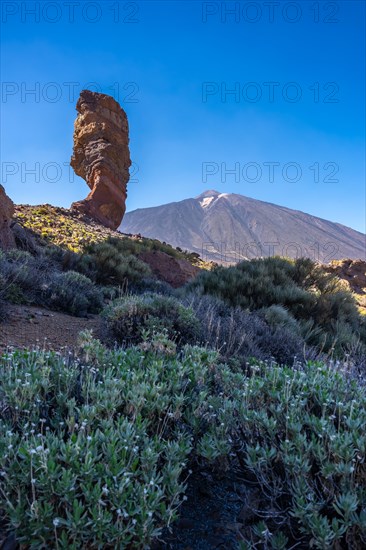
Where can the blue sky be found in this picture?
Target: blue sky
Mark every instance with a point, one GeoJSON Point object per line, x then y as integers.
{"type": "Point", "coordinates": [172, 64]}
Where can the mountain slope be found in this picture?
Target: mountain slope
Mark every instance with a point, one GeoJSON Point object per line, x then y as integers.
{"type": "Point", "coordinates": [229, 227]}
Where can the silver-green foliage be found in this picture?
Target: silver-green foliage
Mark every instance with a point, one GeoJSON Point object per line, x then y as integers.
{"type": "Point", "coordinates": [94, 453]}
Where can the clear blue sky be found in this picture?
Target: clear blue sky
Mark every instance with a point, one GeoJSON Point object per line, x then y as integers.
{"type": "Point", "coordinates": [162, 55]}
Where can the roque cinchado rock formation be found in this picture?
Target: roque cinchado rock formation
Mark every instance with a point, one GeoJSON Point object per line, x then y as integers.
{"type": "Point", "coordinates": [101, 156]}
{"type": "Point", "coordinates": [6, 214]}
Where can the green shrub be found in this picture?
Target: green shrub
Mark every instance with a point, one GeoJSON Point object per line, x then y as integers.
{"type": "Point", "coordinates": [136, 246]}
{"type": "Point", "coordinates": [128, 317]}
{"type": "Point", "coordinates": [106, 263]}
{"type": "Point", "coordinates": [74, 293]}
{"type": "Point", "coordinates": [306, 446]}
{"type": "Point", "coordinates": [22, 275]}
{"type": "Point", "coordinates": [85, 444]}
{"type": "Point", "coordinates": [309, 295]}
{"type": "Point", "coordinates": [278, 316]}
{"type": "Point", "coordinates": [100, 447]}
{"type": "Point", "coordinates": [109, 263]}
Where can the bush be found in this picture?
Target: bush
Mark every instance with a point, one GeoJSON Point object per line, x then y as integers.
{"type": "Point", "coordinates": [136, 246]}
{"type": "Point", "coordinates": [96, 467]}
{"type": "Point", "coordinates": [305, 447]}
{"type": "Point", "coordinates": [309, 295]}
{"type": "Point", "coordinates": [38, 280]}
{"type": "Point", "coordinates": [74, 293]}
{"type": "Point", "coordinates": [3, 309]}
{"type": "Point", "coordinates": [108, 263]}
{"type": "Point", "coordinates": [242, 335]}
{"type": "Point", "coordinates": [278, 316]}
{"type": "Point", "coordinates": [100, 447]}
{"type": "Point", "coordinates": [22, 276]}
{"type": "Point", "coordinates": [256, 284]}
{"type": "Point", "coordinates": [127, 318]}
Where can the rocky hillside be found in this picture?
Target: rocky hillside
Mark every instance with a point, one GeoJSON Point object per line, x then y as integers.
{"type": "Point", "coordinates": [72, 230]}
{"type": "Point", "coordinates": [228, 227]}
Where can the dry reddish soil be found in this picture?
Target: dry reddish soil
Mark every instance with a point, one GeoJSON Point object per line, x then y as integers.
{"type": "Point", "coordinates": [31, 326]}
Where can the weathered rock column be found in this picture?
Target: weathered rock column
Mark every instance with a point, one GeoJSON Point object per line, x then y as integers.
{"type": "Point", "coordinates": [6, 213]}
{"type": "Point", "coordinates": [101, 157]}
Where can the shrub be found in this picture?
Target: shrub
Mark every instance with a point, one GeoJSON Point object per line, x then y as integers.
{"type": "Point", "coordinates": [2, 310]}
{"type": "Point", "coordinates": [240, 334]}
{"type": "Point", "coordinates": [38, 280]}
{"type": "Point", "coordinates": [25, 239]}
{"type": "Point", "coordinates": [151, 284]}
{"type": "Point", "coordinates": [305, 447]}
{"type": "Point", "coordinates": [74, 293]}
{"type": "Point", "coordinates": [299, 286]}
{"type": "Point", "coordinates": [22, 275]}
{"type": "Point", "coordinates": [278, 316]}
{"type": "Point", "coordinates": [136, 246]}
{"type": "Point", "coordinates": [255, 284]}
{"type": "Point", "coordinates": [108, 263]}
{"type": "Point", "coordinates": [100, 447]}
{"type": "Point", "coordinates": [128, 317]}
{"type": "Point", "coordinates": [86, 445]}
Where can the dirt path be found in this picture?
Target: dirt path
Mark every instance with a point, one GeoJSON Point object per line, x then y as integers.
{"type": "Point", "coordinates": [30, 326]}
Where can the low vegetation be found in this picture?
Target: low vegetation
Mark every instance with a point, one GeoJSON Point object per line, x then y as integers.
{"type": "Point", "coordinates": [239, 335]}
{"type": "Point", "coordinates": [38, 279]}
{"type": "Point", "coordinates": [102, 447]}
{"type": "Point", "coordinates": [130, 317]}
{"type": "Point", "coordinates": [293, 293]}
{"type": "Point", "coordinates": [257, 369]}
{"type": "Point", "coordinates": [68, 230]}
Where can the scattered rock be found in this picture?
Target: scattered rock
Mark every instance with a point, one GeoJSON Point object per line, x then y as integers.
{"type": "Point", "coordinates": [173, 271]}
{"type": "Point", "coordinates": [101, 157]}
{"type": "Point", "coordinates": [6, 213]}
{"type": "Point", "coordinates": [351, 271]}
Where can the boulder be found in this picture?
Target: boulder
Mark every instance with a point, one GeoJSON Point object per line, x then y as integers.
{"type": "Point", "coordinates": [6, 213]}
{"type": "Point", "coordinates": [173, 271]}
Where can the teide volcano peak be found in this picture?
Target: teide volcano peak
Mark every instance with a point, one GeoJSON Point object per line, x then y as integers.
{"type": "Point", "coordinates": [227, 227]}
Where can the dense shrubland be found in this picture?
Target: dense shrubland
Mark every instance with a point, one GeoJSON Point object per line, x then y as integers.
{"type": "Point", "coordinates": [296, 294]}
{"type": "Point", "coordinates": [271, 308]}
{"type": "Point", "coordinates": [250, 369]}
{"type": "Point", "coordinates": [53, 226]}
{"type": "Point", "coordinates": [102, 446]}
{"type": "Point", "coordinates": [239, 335]}
{"type": "Point", "coordinates": [67, 281]}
